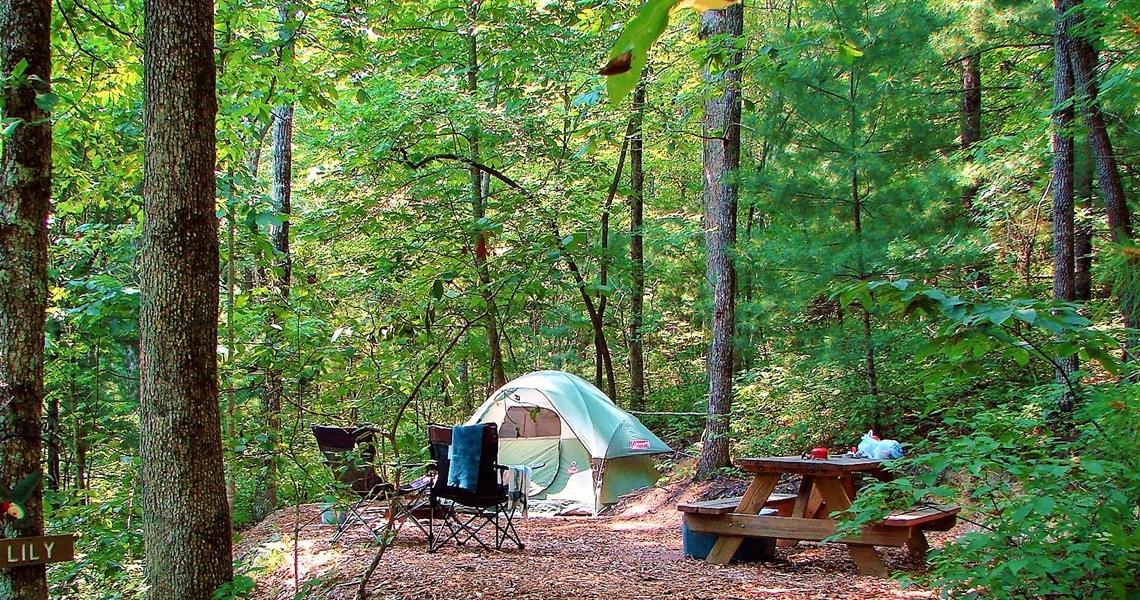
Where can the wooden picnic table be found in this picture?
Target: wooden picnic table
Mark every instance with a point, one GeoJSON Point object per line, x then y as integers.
{"type": "Point", "coordinates": [826, 486]}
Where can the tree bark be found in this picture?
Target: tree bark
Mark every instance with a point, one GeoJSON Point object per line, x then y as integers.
{"type": "Point", "coordinates": [479, 211]}
{"type": "Point", "coordinates": [25, 199]}
{"type": "Point", "coordinates": [720, 158]}
{"type": "Point", "coordinates": [1064, 284]}
{"type": "Point", "coordinates": [1083, 58]}
{"type": "Point", "coordinates": [231, 343]}
{"type": "Point", "coordinates": [603, 358]}
{"type": "Point", "coordinates": [280, 280]}
{"type": "Point", "coordinates": [971, 116]}
{"type": "Point", "coordinates": [186, 521]}
{"type": "Point", "coordinates": [1082, 230]}
{"type": "Point", "coordinates": [637, 253]}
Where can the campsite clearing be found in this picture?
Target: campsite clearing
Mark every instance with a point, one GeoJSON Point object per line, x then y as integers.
{"type": "Point", "coordinates": [635, 554]}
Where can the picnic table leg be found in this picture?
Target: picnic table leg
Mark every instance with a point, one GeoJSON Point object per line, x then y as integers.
{"type": "Point", "coordinates": [917, 546]}
{"type": "Point", "coordinates": [751, 503]}
{"type": "Point", "coordinates": [867, 560]}
{"type": "Point", "coordinates": [815, 507]}
{"type": "Point", "coordinates": [807, 486]}
{"type": "Point", "coordinates": [807, 501]}
{"type": "Point", "coordinates": [865, 556]}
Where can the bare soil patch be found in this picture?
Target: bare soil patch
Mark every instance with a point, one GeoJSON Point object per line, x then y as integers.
{"type": "Point", "coordinates": [633, 554]}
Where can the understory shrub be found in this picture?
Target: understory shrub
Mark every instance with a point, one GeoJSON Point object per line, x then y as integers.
{"type": "Point", "coordinates": [1050, 515]}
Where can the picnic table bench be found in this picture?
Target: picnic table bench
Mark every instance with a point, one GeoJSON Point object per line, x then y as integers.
{"type": "Point", "coordinates": [783, 504]}
{"type": "Point", "coordinates": [825, 488]}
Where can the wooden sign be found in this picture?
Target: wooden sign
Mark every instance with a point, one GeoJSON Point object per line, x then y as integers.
{"type": "Point", "coordinates": [19, 552]}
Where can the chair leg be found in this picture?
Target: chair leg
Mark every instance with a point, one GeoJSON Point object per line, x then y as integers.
{"type": "Point", "coordinates": [352, 516]}
{"type": "Point", "coordinates": [508, 530]}
{"type": "Point", "coordinates": [465, 527]}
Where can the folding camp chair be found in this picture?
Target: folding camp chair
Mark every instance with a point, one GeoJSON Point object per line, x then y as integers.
{"type": "Point", "coordinates": [463, 505]}
{"type": "Point", "coordinates": [351, 454]}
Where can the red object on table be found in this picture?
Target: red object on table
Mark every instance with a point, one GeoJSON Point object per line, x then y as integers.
{"type": "Point", "coordinates": [820, 453]}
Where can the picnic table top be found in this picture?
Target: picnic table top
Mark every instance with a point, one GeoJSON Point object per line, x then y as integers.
{"type": "Point", "coordinates": [837, 465]}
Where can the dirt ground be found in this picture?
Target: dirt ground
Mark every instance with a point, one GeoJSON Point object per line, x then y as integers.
{"type": "Point", "coordinates": [633, 554]}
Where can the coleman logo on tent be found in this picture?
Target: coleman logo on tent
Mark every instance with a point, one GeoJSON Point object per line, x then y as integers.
{"type": "Point", "coordinates": [639, 444]}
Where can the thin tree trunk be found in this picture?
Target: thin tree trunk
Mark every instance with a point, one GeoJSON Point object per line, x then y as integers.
{"type": "Point", "coordinates": [280, 280]}
{"type": "Point", "coordinates": [79, 441]}
{"type": "Point", "coordinates": [186, 521]}
{"type": "Point", "coordinates": [1064, 287]}
{"type": "Point", "coordinates": [479, 211]}
{"type": "Point", "coordinates": [1083, 231]}
{"type": "Point", "coordinates": [971, 116]}
{"type": "Point", "coordinates": [231, 343]}
{"type": "Point", "coordinates": [752, 221]}
{"type": "Point", "coordinates": [720, 157]}
{"type": "Point", "coordinates": [603, 359]}
{"type": "Point", "coordinates": [870, 369]}
{"type": "Point", "coordinates": [637, 253]}
{"type": "Point", "coordinates": [25, 199]}
{"type": "Point", "coordinates": [54, 440]}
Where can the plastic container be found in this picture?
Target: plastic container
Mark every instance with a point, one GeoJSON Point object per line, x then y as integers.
{"type": "Point", "coordinates": [698, 545]}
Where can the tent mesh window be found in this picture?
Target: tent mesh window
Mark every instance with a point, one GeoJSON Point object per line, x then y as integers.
{"type": "Point", "coordinates": [524, 422]}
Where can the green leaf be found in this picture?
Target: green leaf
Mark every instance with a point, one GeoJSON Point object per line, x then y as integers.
{"type": "Point", "coordinates": [268, 218]}
{"type": "Point", "coordinates": [47, 101]}
{"type": "Point", "coordinates": [1106, 360]}
{"type": "Point", "coordinates": [1044, 505]}
{"type": "Point", "coordinates": [437, 289]}
{"type": "Point", "coordinates": [999, 316]}
{"type": "Point", "coordinates": [10, 128]}
{"type": "Point", "coordinates": [574, 241]}
{"type": "Point", "coordinates": [847, 52]}
{"type": "Point", "coordinates": [627, 57]}
{"type": "Point", "coordinates": [23, 490]}
{"type": "Point", "coordinates": [18, 70]}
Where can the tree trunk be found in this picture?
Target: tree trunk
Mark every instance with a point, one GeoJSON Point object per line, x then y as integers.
{"type": "Point", "coordinates": [25, 199]}
{"type": "Point", "coordinates": [186, 521]}
{"type": "Point", "coordinates": [720, 157]}
{"type": "Point", "coordinates": [54, 440]}
{"type": "Point", "coordinates": [479, 211]}
{"type": "Point", "coordinates": [1083, 59]}
{"type": "Point", "coordinates": [1083, 231]}
{"type": "Point", "coordinates": [971, 116]}
{"type": "Point", "coordinates": [637, 254]}
{"type": "Point", "coordinates": [280, 280]}
{"type": "Point", "coordinates": [1064, 287]}
{"type": "Point", "coordinates": [231, 343]}
{"type": "Point", "coordinates": [603, 359]}
{"type": "Point", "coordinates": [870, 369]}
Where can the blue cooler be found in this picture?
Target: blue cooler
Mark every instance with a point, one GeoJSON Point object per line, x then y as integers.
{"type": "Point", "coordinates": [752, 549]}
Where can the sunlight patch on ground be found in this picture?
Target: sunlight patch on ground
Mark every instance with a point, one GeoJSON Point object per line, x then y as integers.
{"type": "Point", "coordinates": [636, 526]}
{"type": "Point", "coordinates": [313, 558]}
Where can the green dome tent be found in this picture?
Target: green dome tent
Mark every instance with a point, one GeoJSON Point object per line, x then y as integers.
{"type": "Point", "coordinates": [594, 452]}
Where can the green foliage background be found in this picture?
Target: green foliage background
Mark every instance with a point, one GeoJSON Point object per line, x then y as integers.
{"type": "Point", "coordinates": [845, 104]}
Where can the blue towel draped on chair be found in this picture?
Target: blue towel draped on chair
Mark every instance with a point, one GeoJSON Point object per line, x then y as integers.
{"type": "Point", "coordinates": [466, 450]}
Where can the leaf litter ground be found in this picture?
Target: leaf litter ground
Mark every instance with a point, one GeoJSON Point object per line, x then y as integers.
{"type": "Point", "coordinates": [631, 555]}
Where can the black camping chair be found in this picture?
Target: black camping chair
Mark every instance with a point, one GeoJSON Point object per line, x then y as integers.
{"type": "Point", "coordinates": [461, 514]}
{"type": "Point", "coordinates": [351, 454]}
